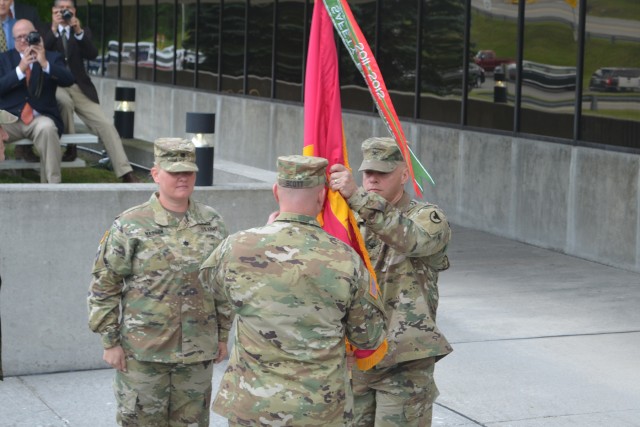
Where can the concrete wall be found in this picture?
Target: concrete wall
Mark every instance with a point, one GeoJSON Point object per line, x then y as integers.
{"type": "Point", "coordinates": [48, 241]}
{"type": "Point", "coordinates": [576, 200]}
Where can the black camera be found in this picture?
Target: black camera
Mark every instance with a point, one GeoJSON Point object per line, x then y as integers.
{"type": "Point", "coordinates": [67, 14]}
{"type": "Point", "coordinates": [33, 38]}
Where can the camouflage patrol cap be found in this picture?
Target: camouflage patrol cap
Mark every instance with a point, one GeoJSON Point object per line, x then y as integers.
{"type": "Point", "coordinates": [175, 155]}
{"type": "Point", "coordinates": [380, 155]}
{"type": "Point", "coordinates": [301, 171]}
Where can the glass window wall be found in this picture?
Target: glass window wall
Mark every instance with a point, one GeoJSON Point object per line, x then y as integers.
{"type": "Point", "coordinates": [354, 93]}
{"type": "Point", "coordinates": [207, 51]}
{"type": "Point", "coordinates": [441, 67]}
{"type": "Point", "coordinates": [257, 48]}
{"type": "Point", "coordinates": [163, 58]}
{"type": "Point", "coordinates": [290, 38]}
{"type": "Point", "coordinates": [611, 77]}
{"type": "Point", "coordinates": [233, 46]}
{"type": "Point", "coordinates": [493, 43]}
{"type": "Point", "coordinates": [548, 69]}
{"type": "Point", "coordinates": [260, 47]}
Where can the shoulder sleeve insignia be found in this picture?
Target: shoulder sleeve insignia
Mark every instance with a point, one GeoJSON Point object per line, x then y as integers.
{"type": "Point", "coordinates": [434, 217]}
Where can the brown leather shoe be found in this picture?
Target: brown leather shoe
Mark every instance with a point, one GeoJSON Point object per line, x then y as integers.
{"type": "Point", "coordinates": [26, 153]}
{"type": "Point", "coordinates": [70, 154]}
{"type": "Point", "coordinates": [130, 178]}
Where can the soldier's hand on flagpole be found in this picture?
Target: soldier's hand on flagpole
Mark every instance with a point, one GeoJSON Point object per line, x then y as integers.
{"type": "Point", "coordinates": [341, 180]}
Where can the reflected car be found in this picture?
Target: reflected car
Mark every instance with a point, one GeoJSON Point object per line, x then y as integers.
{"type": "Point", "coordinates": [614, 79]}
{"type": "Point", "coordinates": [476, 75]}
{"type": "Point", "coordinates": [544, 76]}
{"type": "Point", "coordinates": [453, 78]}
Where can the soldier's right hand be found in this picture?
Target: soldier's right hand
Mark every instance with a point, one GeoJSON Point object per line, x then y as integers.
{"type": "Point", "coordinates": [114, 356]}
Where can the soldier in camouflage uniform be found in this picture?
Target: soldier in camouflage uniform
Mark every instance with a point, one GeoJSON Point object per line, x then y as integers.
{"type": "Point", "coordinates": [407, 242]}
{"type": "Point", "coordinates": [164, 343]}
{"type": "Point", "coordinates": [297, 292]}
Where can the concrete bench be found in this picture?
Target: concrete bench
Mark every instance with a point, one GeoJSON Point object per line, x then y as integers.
{"type": "Point", "coordinates": [70, 138]}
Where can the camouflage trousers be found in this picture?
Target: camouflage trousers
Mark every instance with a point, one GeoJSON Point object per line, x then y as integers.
{"type": "Point", "coordinates": [398, 396]}
{"type": "Point", "coordinates": [163, 394]}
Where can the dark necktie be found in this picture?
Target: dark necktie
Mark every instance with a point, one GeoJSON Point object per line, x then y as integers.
{"type": "Point", "coordinates": [65, 43]}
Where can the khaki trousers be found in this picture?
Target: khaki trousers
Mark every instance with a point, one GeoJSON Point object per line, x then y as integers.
{"type": "Point", "coordinates": [70, 100]}
{"type": "Point", "coordinates": [44, 134]}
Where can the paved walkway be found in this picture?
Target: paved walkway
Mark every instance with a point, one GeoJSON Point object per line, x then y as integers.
{"type": "Point", "coordinates": [540, 339]}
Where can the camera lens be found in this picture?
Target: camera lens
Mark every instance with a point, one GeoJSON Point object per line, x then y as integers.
{"type": "Point", "coordinates": [67, 15]}
{"type": "Point", "coordinates": [33, 38]}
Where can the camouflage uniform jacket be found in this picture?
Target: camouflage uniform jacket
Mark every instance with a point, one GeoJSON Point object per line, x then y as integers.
{"type": "Point", "coordinates": [407, 244]}
{"type": "Point", "coordinates": [148, 263]}
{"type": "Point", "coordinates": [297, 292]}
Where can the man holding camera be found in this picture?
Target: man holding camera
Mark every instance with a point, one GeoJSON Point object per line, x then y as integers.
{"type": "Point", "coordinates": [66, 36]}
{"type": "Point", "coordinates": [29, 77]}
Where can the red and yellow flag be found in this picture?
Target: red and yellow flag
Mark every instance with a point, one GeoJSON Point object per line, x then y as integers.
{"type": "Point", "coordinates": [358, 48]}
{"type": "Point", "coordinates": [324, 137]}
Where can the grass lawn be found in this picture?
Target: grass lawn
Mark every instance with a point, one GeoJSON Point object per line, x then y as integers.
{"type": "Point", "coordinates": [552, 43]}
{"type": "Point", "coordinates": [93, 173]}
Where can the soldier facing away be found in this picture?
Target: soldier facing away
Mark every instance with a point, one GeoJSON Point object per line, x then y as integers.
{"type": "Point", "coordinates": [297, 292]}
{"type": "Point", "coordinates": [165, 341]}
{"type": "Point", "coordinates": [407, 242]}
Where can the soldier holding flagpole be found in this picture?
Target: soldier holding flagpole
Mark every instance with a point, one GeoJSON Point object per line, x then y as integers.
{"type": "Point", "coordinates": [407, 242]}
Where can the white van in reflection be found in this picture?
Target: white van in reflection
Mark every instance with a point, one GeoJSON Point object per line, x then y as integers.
{"type": "Point", "coordinates": [614, 79]}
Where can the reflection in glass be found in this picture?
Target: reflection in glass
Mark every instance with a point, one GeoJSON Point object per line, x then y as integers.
{"type": "Point", "coordinates": [128, 49]}
{"type": "Point", "coordinates": [111, 36]}
{"type": "Point", "coordinates": [177, 39]}
{"type": "Point", "coordinates": [441, 61]}
{"type": "Point", "coordinates": [91, 16]}
{"type": "Point", "coordinates": [208, 38]}
{"type": "Point", "coordinates": [611, 97]}
{"type": "Point", "coordinates": [185, 57]}
{"type": "Point", "coordinates": [165, 50]}
{"type": "Point", "coordinates": [290, 46]}
{"type": "Point", "coordinates": [146, 20]}
{"type": "Point", "coordinates": [354, 93]}
{"type": "Point", "coordinates": [548, 70]}
{"type": "Point", "coordinates": [493, 44]}
{"type": "Point", "coordinates": [259, 46]}
{"type": "Point", "coordinates": [397, 54]}
{"type": "Point", "coordinates": [233, 26]}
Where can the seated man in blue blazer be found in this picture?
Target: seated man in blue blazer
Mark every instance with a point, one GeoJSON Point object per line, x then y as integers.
{"type": "Point", "coordinates": [29, 77]}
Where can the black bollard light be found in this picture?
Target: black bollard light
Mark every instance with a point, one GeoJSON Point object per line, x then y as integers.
{"type": "Point", "coordinates": [123, 116]}
{"type": "Point", "coordinates": [500, 87]}
{"type": "Point", "coordinates": [200, 130]}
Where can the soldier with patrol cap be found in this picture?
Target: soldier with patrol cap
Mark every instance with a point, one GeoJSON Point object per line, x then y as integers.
{"type": "Point", "coordinates": [164, 342]}
{"type": "Point", "coordinates": [297, 292]}
{"type": "Point", "coordinates": [407, 242]}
